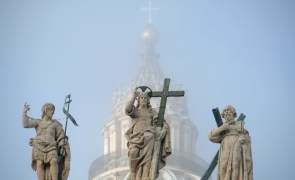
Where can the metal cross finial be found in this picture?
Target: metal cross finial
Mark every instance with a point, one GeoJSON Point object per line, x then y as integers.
{"type": "Point", "coordinates": [150, 8]}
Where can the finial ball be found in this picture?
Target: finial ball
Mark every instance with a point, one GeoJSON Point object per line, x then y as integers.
{"type": "Point", "coordinates": [150, 35]}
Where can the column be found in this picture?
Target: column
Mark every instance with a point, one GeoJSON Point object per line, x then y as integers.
{"type": "Point", "coordinates": [111, 141]}
{"type": "Point", "coordinates": [106, 139]}
{"type": "Point", "coordinates": [123, 139]}
{"type": "Point", "coordinates": [114, 141]}
{"type": "Point", "coordinates": [177, 137]}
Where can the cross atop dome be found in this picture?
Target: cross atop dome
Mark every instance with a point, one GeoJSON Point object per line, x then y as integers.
{"type": "Point", "coordinates": [114, 163]}
{"type": "Point", "coordinates": [150, 9]}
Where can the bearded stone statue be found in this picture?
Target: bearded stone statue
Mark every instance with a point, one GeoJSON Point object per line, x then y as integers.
{"type": "Point", "coordinates": [141, 137]}
{"type": "Point", "coordinates": [235, 154]}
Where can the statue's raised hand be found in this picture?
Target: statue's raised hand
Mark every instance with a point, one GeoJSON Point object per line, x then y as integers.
{"type": "Point", "coordinates": [135, 93]}
{"type": "Point", "coordinates": [26, 108]}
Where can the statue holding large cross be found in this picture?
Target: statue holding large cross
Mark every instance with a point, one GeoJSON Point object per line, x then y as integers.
{"type": "Point", "coordinates": [149, 137]}
{"type": "Point", "coordinates": [234, 157]}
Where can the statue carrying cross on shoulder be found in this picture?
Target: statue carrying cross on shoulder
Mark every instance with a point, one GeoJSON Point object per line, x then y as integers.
{"type": "Point", "coordinates": [235, 155]}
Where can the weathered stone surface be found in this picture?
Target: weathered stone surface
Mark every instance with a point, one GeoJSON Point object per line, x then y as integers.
{"type": "Point", "coordinates": [47, 145]}
{"type": "Point", "coordinates": [141, 137]}
{"type": "Point", "coordinates": [235, 154]}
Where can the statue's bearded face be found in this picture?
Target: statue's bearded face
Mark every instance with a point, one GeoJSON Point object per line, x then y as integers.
{"type": "Point", "coordinates": [143, 99]}
{"type": "Point", "coordinates": [228, 114]}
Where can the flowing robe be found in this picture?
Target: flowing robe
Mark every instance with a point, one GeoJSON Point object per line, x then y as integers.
{"type": "Point", "coordinates": [235, 154]}
{"type": "Point", "coordinates": [142, 136]}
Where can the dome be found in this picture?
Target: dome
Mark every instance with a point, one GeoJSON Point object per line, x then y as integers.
{"type": "Point", "coordinates": [150, 35]}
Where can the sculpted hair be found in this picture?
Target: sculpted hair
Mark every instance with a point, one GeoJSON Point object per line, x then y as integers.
{"type": "Point", "coordinates": [232, 109]}
{"type": "Point", "coordinates": [148, 101]}
{"type": "Point", "coordinates": [45, 107]}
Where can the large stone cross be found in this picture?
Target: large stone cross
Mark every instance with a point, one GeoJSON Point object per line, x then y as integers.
{"type": "Point", "coordinates": [214, 161]}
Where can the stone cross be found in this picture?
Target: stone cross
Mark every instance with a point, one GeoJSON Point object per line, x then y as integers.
{"type": "Point", "coordinates": [163, 94]}
{"type": "Point", "coordinates": [214, 161]}
{"type": "Point", "coordinates": [150, 8]}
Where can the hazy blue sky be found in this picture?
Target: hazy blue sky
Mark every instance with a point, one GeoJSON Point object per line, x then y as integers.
{"type": "Point", "coordinates": [238, 52]}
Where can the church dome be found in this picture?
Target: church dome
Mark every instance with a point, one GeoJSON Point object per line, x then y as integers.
{"type": "Point", "coordinates": [150, 35]}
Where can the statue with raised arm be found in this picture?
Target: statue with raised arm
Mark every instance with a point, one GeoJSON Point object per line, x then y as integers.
{"type": "Point", "coordinates": [235, 154]}
{"type": "Point", "coordinates": [48, 144]}
{"type": "Point", "coordinates": [141, 137]}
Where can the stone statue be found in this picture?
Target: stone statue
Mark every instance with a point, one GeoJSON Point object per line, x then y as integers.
{"type": "Point", "coordinates": [235, 155]}
{"type": "Point", "coordinates": [48, 144]}
{"type": "Point", "coordinates": [141, 137]}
